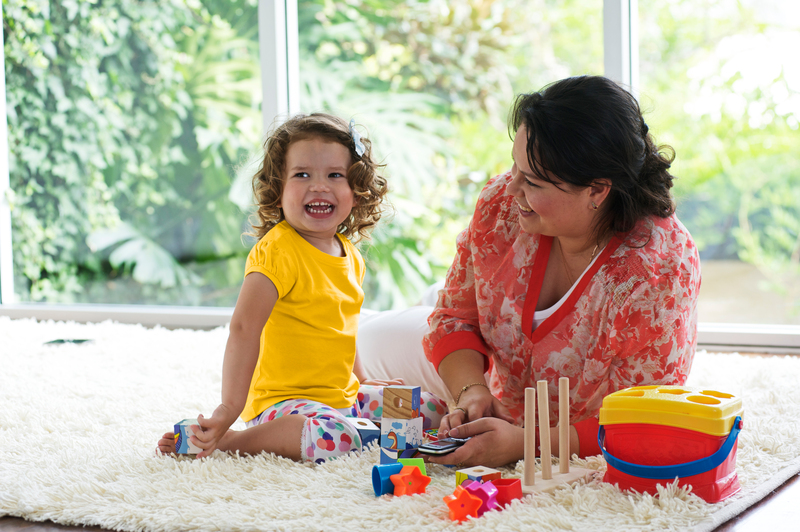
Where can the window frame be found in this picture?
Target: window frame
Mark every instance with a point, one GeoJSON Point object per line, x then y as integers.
{"type": "Point", "coordinates": [279, 59]}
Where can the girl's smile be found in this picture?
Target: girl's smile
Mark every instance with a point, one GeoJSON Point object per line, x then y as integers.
{"type": "Point", "coordinates": [316, 195]}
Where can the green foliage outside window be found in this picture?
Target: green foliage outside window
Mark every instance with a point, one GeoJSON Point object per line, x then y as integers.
{"type": "Point", "coordinates": [129, 122]}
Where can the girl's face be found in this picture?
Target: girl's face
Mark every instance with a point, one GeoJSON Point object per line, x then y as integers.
{"type": "Point", "coordinates": [544, 208]}
{"type": "Point", "coordinates": [316, 196]}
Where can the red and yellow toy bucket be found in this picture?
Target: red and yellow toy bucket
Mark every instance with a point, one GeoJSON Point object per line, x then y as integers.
{"type": "Point", "coordinates": [651, 435]}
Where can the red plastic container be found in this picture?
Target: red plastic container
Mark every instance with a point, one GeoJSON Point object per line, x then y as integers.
{"type": "Point", "coordinates": [659, 445]}
{"type": "Point", "coordinates": [651, 435]}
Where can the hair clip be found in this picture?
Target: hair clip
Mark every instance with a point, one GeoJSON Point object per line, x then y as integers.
{"type": "Point", "coordinates": [359, 146]}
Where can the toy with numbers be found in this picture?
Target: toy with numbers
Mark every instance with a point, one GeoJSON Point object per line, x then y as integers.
{"type": "Point", "coordinates": [182, 433]}
{"type": "Point", "coordinates": [401, 423]}
{"type": "Point", "coordinates": [650, 435]}
{"type": "Point", "coordinates": [547, 480]}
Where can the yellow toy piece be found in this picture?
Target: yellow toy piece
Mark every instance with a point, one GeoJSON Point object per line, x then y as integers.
{"type": "Point", "coordinates": [699, 409]}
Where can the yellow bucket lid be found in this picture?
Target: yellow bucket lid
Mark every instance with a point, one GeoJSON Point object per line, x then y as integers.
{"type": "Point", "coordinates": [698, 409]}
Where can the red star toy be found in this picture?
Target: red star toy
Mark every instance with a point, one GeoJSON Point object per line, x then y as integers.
{"type": "Point", "coordinates": [462, 504]}
{"type": "Point", "coordinates": [409, 481]}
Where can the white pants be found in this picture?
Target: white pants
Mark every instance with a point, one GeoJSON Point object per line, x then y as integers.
{"type": "Point", "coordinates": [390, 347]}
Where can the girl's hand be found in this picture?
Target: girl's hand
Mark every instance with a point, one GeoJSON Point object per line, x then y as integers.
{"type": "Point", "coordinates": [494, 443]}
{"type": "Point", "coordinates": [210, 431]}
{"type": "Point", "coordinates": [475, 403]}
{"type": "Point", "coordinates": [381, 382]}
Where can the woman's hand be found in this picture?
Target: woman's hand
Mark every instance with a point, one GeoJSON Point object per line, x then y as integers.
{"type": "Point", "coordinates": [494, 443]}
{"type": "Point", "coordinates": [210, 431]}
{"type": "Point", "coordinates": [475, 403]}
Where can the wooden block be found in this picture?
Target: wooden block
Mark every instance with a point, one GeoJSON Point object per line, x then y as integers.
{"type": "Point", "coordinates": [401, 402]}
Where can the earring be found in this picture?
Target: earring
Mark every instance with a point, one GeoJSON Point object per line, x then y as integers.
{"type": "Point", "coordinates": [594, 205]}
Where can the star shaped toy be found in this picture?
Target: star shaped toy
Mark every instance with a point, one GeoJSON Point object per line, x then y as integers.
{"type": "Point", "coordinates": [409, 481]}
{"type": "Point", "coordinates": [486, 492]}
{"type": "Point", "coordinates": [462, 504]}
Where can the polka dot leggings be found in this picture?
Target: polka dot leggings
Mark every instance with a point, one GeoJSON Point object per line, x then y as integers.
{"type": "Point", "coordinates": [327, 435]}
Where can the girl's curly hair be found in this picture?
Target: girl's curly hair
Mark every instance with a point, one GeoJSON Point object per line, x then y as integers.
{"type": "Point", "coordinates": [369, 188]}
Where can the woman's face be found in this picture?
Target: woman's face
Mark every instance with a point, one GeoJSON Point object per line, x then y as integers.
{"type": "Point", "coordinates": [544, 208]}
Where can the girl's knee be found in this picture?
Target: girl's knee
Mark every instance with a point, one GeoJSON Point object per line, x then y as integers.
{"type": "Point", "coordinates": [432, 409]}
{"type": "Point", "coordinates": [325, 438]}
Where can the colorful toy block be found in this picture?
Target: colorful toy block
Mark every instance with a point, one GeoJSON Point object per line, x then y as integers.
{"type": "Point", "coordinates": [410, 481]}
{"type": "Point", "coordinates": [381, 481]}
{"type": "Point", "coordinates": [398, 434]}
{"type": "Point", "coordinates": [432, 434]}
{"type": "Point", "coordinates": [401, 402]}
{"type": "Point", "coordinates": [486, 492]}
{"type": "Point", "coordinates": [367, 430]}
{"type": "Point", "coordinates": [508, 489]}
{"type": "Point", "coordinates": [182, 433]}
{"type": "Point", "coordinates": [477, 473]}
{"type": "Point", "coordinates": [391, 456]}
{"type": "Point", "coordinates": [416, 462]}
{"type": "Point", "coordinates": [462, 504]}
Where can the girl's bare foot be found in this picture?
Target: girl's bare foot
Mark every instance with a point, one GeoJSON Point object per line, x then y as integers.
{"type": "Point", "coordinates": [166, 445]}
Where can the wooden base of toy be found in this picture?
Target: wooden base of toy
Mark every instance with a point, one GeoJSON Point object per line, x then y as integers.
{"type": "Point", "coordinates": [575, 474]}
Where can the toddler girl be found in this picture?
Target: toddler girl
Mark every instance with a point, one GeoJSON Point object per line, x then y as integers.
{"type": "Point", "coordinates": [291, 370]}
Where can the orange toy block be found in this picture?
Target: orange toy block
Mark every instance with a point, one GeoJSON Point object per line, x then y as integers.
{"type": "Point", "coordinates": [409, 481]}
{"type": "Point", "coordinates": [462, 504]}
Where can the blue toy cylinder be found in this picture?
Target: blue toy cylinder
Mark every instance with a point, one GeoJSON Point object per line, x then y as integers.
{"type": "Point", "coordinates": [381, 482]}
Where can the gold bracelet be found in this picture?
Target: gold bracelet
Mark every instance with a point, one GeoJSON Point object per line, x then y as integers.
{"type": "Point", "coordinates": [467, 387]}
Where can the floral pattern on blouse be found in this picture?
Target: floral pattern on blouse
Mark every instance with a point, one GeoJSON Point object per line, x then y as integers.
{"type": "Point", "coordinates": [631, 321]}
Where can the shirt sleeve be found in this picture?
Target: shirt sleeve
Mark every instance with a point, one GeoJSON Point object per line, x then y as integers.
{"type": "Point", "coordinates": [454, 323]}
{"type": "Point", "coordinates": [269, 258]}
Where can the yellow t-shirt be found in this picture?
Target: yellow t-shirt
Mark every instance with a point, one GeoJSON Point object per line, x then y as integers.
{"type": "Point", "coordinates": [308, 345]}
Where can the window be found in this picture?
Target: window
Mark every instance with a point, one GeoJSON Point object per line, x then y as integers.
{"type": "Point", "coordinates": [433, 82]}
{"type": "Point", "coordinates": [127, 122]}
{"type": "Point", "coordinates": [723, 85]}
{"type": "Point", "coordinates": [133, 127]}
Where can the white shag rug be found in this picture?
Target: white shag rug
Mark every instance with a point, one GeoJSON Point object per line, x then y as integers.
{"type": "Point", "coordinates": [79, 424]}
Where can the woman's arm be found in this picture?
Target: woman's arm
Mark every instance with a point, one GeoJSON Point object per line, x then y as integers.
{"type": "Point", "coordinates": [253, 308]}
{"type": "Point", "coordinates": [463, 373]}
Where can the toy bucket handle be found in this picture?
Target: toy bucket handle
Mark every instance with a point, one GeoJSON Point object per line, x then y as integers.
{"type": "Point", "coordinates": [686, 469]}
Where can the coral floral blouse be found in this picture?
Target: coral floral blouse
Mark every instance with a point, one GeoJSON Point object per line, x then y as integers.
{"type": "Point", "coordinates": [630, 321]}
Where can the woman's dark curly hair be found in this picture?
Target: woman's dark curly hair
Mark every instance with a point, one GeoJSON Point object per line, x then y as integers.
{"type": "Point", "coordinates": [369, 188]}
{"type": "Point", "coordinates": [588, 128]}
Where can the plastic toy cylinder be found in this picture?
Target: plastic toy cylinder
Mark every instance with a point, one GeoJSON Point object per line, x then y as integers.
{"type": "Point", "coordinates": [381, 478]}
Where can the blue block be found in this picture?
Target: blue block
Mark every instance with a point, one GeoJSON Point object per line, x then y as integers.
{"type": "Point", "coordinates": [182, 433]}
{"type": "Point", "coordinates": [367, 430]}
{"type": "Point", "coordinates": [399, 434]}
{"type": "Point", "coordinates": [391, 456]}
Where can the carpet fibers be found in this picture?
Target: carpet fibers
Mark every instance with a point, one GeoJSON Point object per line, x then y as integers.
{"type": "Point", "coordinates": [79, 424]}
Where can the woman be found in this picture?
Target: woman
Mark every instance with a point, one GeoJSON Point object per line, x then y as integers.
{"type": "Point", "coordinates": [574, 265]}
